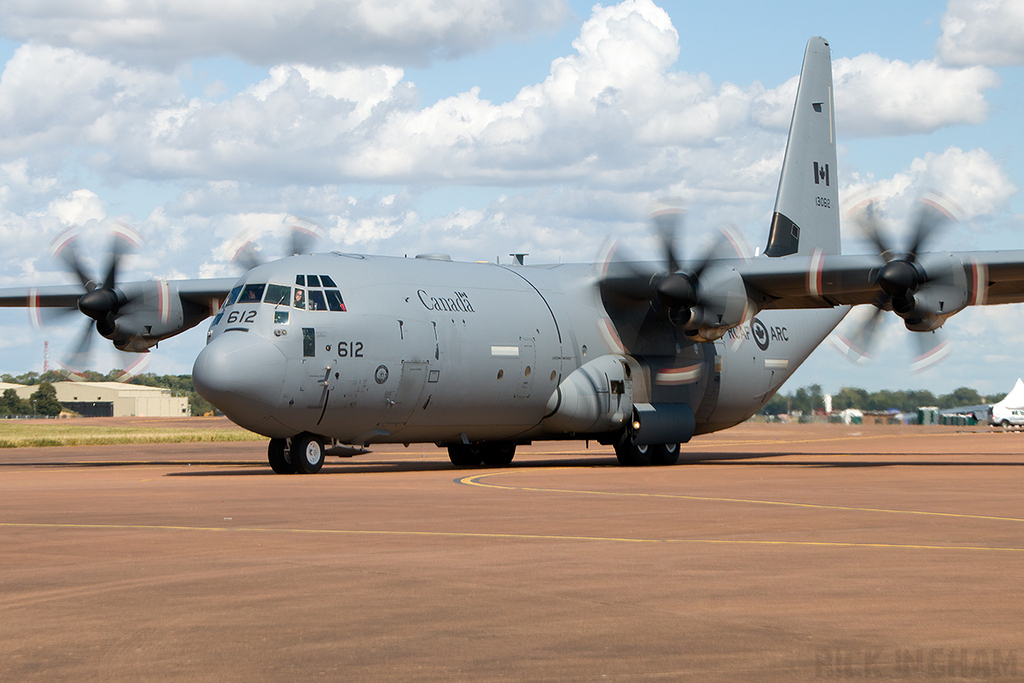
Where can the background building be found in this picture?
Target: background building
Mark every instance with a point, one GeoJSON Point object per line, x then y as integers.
{"type": "Point", "coordinates": [112, 399]}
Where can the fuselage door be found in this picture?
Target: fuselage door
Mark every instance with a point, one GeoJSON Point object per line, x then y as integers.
{"type": "Point", "coordinates": [528, 366]}
{"type": "Point", "coordinates": [402, 401]}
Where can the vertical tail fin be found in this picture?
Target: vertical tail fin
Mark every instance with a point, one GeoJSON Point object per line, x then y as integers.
{"type": "Point", "coordinates": [806, 215]}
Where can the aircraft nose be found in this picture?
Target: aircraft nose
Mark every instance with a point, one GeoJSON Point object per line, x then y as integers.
{"type": "Point", "coordinates": [243, 375]}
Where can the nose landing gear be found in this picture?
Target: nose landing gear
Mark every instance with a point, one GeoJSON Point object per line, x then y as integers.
{"type": "Point", "coordinates": [279, 456]}
{"type": "Point", "coordinates": [302, 454]}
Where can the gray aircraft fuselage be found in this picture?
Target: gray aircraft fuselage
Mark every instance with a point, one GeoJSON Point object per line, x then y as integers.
{"type": "Point", "coordinates": [430, 350]}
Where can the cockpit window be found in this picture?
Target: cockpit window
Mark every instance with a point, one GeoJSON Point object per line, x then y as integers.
{"type": "Point", "coordinates": [233, 295]}
{"type": "Point", "coordinates": [316, 300]}
{"type": "Point", "coordinates": [251, 294]}
{"type": "Point", "coordinates": [334, 300]}
{"type": "Point", "coordinates": [311, 293]}
{"type": "Point", "coordinates": [277, 294]}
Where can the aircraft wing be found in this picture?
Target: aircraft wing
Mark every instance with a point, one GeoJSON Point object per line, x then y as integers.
{"type": "Point", "coordinates": [202, 291]}
{"type": "Point", "coordinates": [199, 292]}
{"type": "Point", "coordinates": [1005, 275]}
{"type": "Point", "coordinates": [822, 281]}
{"type": "Point", "coordinates": [134, 315]}
{"type": "Point", "coordinates": [62, 296]}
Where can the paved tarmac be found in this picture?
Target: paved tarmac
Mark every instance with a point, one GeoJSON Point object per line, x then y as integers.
{"type": "Point", "coordinates": [887, 553]}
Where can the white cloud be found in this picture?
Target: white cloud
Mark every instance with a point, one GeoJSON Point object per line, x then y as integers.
{"type": "Point", "coordinates": [26, 236]}
{"type": "Point", "coordinates": [875, 96]}
{"type": "Point", "coordinates": [611, 113]}
{"type": "Point", "coordinates": [78, 208]}
{"type": "Point", "coordinates": [266, 32]}
{"type": "Point", "coordinates": [57, 96]}
{"type": "Point", "coordinates": [982, 32]}
{"type": "Point", "coordinates": [972, 184]}
{"type": "Point", "coordinates": [878, 96]}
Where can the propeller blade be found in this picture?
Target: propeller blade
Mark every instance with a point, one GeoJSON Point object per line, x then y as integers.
{"type": "Point", "coordinates": [726, 244]}
{"type": "Point", "coordinates": [933, 348]}
{"type": "Point", "coordinates": [247, 256]}
{"type": "Point", "coordinates": [65, 249]}
{"type": "Point", "coordinates": [137, 365]}
{"type": "Point", "coordinates": [744, 330]}
{"type": "Point", "coordinates": [667, 216]}
{"type": "Point", "coordinates": [621, 278]}
{"type": "Point", "coordinates": [80, 358]}
{"type": "Point", "coordinates": [736, 240]}
{"type": "Point", "coordinates": [40, 316]}
{"type": "Point", "coordinates": [124, 240]}
{"type": "Point", "coordinates": [868, 220]}
{"type": "Point", "coordinates": [857, 346]}
{"type": "Point", "coordinates": [304, 234]}
{"type": "Point", "coordinates": [931, 219]}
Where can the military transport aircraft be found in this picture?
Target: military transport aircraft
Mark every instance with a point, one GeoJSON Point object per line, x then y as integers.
{"type": "Point", "coordinates": [331, 350]}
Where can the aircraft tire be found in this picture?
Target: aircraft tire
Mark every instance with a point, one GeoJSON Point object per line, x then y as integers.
{"type": "Point", "coordinates": [665, 454]}
{"type": "Point", "coordinates": [307, 453]}
{"type": "Point", "coordinates": [277, 454]}
{"type": "Point", "coordinates": [631, 455]}
{"type": "Point", "coordinates": [498, 454]}
{"type": "Point", "coordinates": [464, 456]}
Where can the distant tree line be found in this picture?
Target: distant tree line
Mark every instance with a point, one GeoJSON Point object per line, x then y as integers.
{"type": "Point", "coordinates": [808, 399]}
{"type": "Point", "coordinates": [43, 401]}
{"type": "Point", "coordinates": [180, 385]}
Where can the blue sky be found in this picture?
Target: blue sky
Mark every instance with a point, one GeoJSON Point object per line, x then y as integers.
{"type": "Point", "coordinates": [472, 128]}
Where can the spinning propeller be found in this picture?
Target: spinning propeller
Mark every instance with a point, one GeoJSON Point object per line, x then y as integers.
{"type": "Point", "coordinates": [303, 234]}
{"type": "Point", "coordinates": [101, 300]}
{"type": "Point", "coordinates": [704, 298]}
{"type": "Point", "coordinates": [922, 292]}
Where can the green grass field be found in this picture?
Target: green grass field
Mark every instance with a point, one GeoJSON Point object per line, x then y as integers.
{"type": "Point", "coordinates": [23, 434]}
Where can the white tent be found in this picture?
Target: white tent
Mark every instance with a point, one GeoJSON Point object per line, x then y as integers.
{"type": "Point", "coordinates": [1011, 409]}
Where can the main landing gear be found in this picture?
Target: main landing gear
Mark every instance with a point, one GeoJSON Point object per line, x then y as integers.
{"type": "Point", "coordinates": [491, 454]}
{"type": "Point", "coordinates": [632, 455]}
{"type": "Point", "coordinates": [301, 454]}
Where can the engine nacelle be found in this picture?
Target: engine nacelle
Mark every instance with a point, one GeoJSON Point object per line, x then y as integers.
{"type": "Point", "coordinates": [152, 311]}
{"type": "Point", "coordinates": [595, 398]}
{"type": "Point", "coordinates": [936, 300]}
{"type": "Point", "coordinates": [723, 305]}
